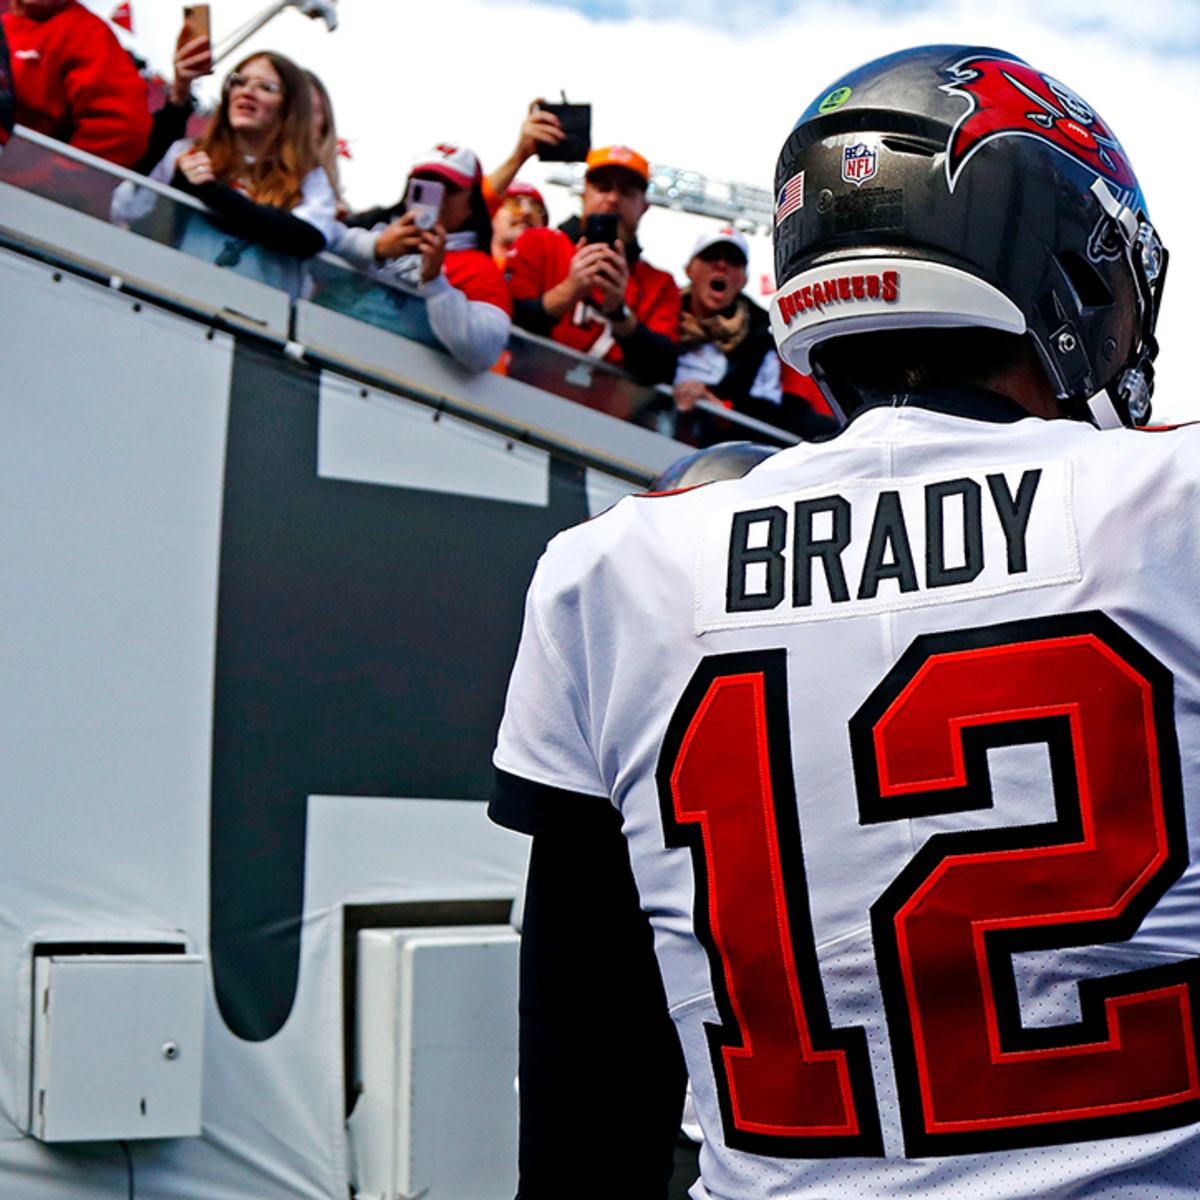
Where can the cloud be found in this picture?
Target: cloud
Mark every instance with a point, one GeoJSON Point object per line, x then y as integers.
{"type": "Point", "coordinates": [1167, 26]}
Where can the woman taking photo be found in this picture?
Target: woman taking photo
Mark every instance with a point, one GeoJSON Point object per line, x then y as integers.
{"type": "Point", "coordinates": [256, 168]}
{"type": "Point", "coordinates": [448, 261]}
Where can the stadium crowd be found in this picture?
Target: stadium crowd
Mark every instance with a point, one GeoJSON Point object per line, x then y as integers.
{"type": "Point", "coordinates": [482, 255]}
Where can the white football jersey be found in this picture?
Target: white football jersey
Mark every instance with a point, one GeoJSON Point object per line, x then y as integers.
{"type": "Point", "coordinates": [904, 732]}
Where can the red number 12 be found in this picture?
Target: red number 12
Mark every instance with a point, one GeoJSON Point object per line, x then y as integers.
{"type": "Point", "coordinates": [970, 1076]}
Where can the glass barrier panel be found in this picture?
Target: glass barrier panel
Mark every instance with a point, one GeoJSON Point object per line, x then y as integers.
{"type": "Point", "coordinates": [201, 234]}
{"type": "Point", "coordinates": [598, 385]}
{"type": "Point", "coordinates": [113, 194]}
{"type": "Point", "coordinates": [703, 427]}
{"type": "Point", "coordinates": [588, 381]}
{"type": "Point", "coordinates": [342, 288]}
{"type": "Point", "coordinates": [59, 177]}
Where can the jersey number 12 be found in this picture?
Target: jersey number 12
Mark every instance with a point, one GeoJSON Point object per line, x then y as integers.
{"type": "Point", "coordinates": [970, 1076]}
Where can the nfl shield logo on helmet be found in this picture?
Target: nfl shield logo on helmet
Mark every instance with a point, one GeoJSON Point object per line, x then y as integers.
{"type": "Point", "coordinates": [859, 163]}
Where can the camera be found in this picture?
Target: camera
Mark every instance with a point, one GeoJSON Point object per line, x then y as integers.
{"type": "Point", "coordinates": [576, 122]}
{"type": "Point", "coordinates": [601, 227]}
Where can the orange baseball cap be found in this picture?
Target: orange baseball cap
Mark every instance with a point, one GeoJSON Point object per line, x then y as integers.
{"type": "Point", "coordinates": [619, 156]}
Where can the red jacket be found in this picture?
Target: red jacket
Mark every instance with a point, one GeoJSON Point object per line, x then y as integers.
{"type": "Point", "coordinates": [74, 82]}
{"type": "Point", "coordinates": [541, 259]}
{"type": "Point", "coordinates": [475, 275]}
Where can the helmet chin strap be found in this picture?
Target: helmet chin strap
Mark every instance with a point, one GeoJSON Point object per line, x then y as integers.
{"type": "Point", "coordinates": [841, 412]}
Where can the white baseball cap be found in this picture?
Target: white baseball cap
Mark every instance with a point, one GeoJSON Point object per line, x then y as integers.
{"type": "Point", "coordinates": [456, 164]}
{"type": "Point", "coordinates": [726, 234]}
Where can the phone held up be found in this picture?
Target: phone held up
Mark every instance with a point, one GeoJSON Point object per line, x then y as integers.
{"type": "Point", "coordinates": [601, 227]}
{"type": "Point", "coordinates": [576, 122]}
{"type": "Point", "coordinates": [196, 22]}
{"type": "Point", "coordinates": [424, 201]}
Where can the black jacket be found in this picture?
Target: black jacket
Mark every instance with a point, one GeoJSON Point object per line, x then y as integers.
{"type": "Point", "coordinates": [745, 359]}
{"type": "Point", "coordinates": [793, 413]}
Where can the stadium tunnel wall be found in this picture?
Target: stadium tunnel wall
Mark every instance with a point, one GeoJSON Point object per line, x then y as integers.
{"type": "Point", "coordinates": [257, 623]}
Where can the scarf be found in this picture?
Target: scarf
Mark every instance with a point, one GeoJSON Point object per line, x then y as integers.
{"type": "Point", "coordinates": [407, 268]}
{"type": "Point", "coordinates": [726, 330]}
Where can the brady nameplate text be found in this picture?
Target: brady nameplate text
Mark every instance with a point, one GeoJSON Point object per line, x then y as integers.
{"type": "Point", "coordinates": [877, 546]}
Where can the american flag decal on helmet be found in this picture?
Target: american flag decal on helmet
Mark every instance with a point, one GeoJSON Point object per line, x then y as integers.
{"type": "Point", "coordinates": [790, 198]}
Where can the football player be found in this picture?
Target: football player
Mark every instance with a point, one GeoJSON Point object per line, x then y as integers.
{"type": "Point", "coordinates": [901, 729]}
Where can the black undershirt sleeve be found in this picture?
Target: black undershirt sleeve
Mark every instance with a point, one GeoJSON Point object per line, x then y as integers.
{"type": "Point", "coordinates": [532, 315]}
{"type": "Point", "coordinates": [601, 1072]}
{"type": "Point", "coordinates": [649, 357]}
{"type": "Point", "coordinates": [274, 228]}
{"type": "Point", "coordinates": [168, 126]}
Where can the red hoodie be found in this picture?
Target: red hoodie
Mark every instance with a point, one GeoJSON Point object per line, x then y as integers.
{"type": "Point", "coordinates": [74, 82]}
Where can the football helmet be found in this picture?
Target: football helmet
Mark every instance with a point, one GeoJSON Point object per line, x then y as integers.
{"type": "Point", "coordinates": [725, 460]}
{"type": "Point", "coordinates": [953, 186]}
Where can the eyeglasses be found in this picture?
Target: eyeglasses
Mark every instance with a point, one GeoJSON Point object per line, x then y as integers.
{"type": "Point", "coordinates": [524, 204]}
{"type": "Point", "coordinates": [267, 87]}
{"type": "Point", "coordinates": [729, 255]}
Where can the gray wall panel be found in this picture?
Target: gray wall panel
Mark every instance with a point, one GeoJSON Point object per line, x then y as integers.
{"type": "Point", "coordinates": [248, 613]}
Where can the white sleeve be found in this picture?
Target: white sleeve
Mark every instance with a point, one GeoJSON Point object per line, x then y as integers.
{"type": "Point", "coordinates": [543, 735]}
{"type": "Point", "coordinates": [356, 246]}
{"type": "Point", "coordinates": [474, 331]}
{"type": "Point", "coordinates": [318, 204]}
{"type": "Point", "coordinates": [767, 383]}
{"type": "Point", "coordinates": [703, 362]}
{"type": "Point", "coordinates": [131, 203]}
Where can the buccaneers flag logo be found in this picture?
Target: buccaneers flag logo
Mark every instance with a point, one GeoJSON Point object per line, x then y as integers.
{"type": "Point", "coordinates": [1009, 99]}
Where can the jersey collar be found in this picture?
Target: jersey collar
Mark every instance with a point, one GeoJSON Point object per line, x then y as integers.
{"type": "Point", "coordinates": [973, 403]}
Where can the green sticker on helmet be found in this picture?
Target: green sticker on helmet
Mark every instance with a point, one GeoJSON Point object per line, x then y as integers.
{"type": "Point", "coordinates": [834, 100]}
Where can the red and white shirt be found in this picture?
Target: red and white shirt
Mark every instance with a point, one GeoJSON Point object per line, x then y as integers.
{"type": "Point", "coordinates": [541, 259]}
{"type": "Point", "coordinates": [903, 729]}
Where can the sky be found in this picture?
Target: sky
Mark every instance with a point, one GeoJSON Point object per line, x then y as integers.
{"type": "Point", "coordinates": [716, 86]}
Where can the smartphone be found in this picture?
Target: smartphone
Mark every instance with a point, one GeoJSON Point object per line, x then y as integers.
{"type": "Point", "coordinates": [196, 22]}
{"type": "Point", "coordinates": [424, 201]}
{"type": "Point", "coordinates": [576, 122]}
{"type": "Point", "coordinates": [601, 227]}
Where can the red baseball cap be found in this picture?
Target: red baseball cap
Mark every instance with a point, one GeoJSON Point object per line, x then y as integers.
{"type": "Point", "coordinates": [520, 188]}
